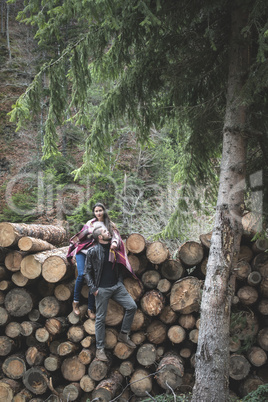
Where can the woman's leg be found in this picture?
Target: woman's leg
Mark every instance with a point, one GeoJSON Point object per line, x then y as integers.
{"type": "Point", "coordinates": [80, 261]}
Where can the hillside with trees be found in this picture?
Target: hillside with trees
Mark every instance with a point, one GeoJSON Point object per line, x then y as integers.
{"type": "Point", "coordinates": [159, 109]}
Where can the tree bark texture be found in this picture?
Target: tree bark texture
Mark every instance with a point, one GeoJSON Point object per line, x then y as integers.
{"type": "Point", "coordinates": [11, 233]}
{"type": "Point", "coordinates": [212, 356]}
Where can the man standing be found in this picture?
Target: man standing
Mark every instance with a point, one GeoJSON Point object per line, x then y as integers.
{"type": "Point", "coordinates": [105, 281]}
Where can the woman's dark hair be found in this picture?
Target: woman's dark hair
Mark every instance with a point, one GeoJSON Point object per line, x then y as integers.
{"type": "Point", "coordinates": [106, 219]}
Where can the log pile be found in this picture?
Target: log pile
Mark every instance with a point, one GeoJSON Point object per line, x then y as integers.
{"type": "Point", "coordinates": [48, 354]}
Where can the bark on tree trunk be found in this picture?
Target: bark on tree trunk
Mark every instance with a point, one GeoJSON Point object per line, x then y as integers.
{"type": "Point", "coordinates": [11, 233]}
{"type": "Point", "coordinates": [212, 356]}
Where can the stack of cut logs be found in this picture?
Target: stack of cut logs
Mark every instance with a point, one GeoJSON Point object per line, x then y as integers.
{"type": "Point", "coordinates": [48, 354]}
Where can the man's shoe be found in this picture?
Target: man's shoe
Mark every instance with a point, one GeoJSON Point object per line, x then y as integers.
{"type": "Point", "coordinates": [76, 310]}
{"type": "Point", "coordinates": [122, 337]}
{"type": "Point", "coordinates": [100, 355]}
{"type": "Point", "coordinates": [91, 315]}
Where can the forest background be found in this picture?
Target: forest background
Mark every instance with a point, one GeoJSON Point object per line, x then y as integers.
{"type": "Point", "coordinates": [142, 185]}
{"type": "Point", "coordinates": [141, 126]}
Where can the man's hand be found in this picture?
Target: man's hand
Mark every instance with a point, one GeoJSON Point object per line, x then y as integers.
{"type": "Point", "coordinates": [95, 293]}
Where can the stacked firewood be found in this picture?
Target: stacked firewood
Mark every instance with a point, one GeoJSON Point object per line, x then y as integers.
{"type": "Point", "coordinates": [48, 354]}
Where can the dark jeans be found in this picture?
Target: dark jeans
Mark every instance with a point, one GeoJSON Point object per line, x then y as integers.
{"type": "Point", "coordinates": [119, 294]}
{"type": "Point", "coordinates": [80, 260]}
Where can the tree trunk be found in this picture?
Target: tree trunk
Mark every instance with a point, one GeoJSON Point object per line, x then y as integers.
{"type": "Point", "coordinates": [42, 335]}
{"type": "Point", "coordinates": [75, 333]}
{"type": "Point", "coordinates": [111, 336]}
{"type": "Point", "coordinates": [64, 291]}
{"type": "Point", "coordinates": [172, 269]}
{"type": "Point", "coordinates": [13, 329]}
{"type": "Point", "coordinates": [164, 286]}
{"type": "Point", "coordinates": [135, 243]}
{"type": "Point", "coordinates": [72, 392]}
{"type": "Point", "coordinates": [146, 354]}
{"type": "Point", "coordinates": [35, 356]}
{"type": "Point", "coordinates": [157, 252]}
{"type": "Point", "coordinates": [151, 278]}
{"type": "Point", "coordinates": [242, 270]}
{"type": "Point", "coordinates": [4, 316]}
{"type": "Point", "coordinates": [263, 339]}
{"type": "Point", "coordinates": [13, 260]}
{"type": "Point", "coordinates": [206, 239]}
{"type": "Point", "coordinates": [260, 246]}
{"type": "Point", "coordinates": [250, 384]}
{"type": "Point", "coordinates": [168, 316]}
{"type": "Point", "coordinates": [257, 356]}
{"type": "Point", "coordinates": [254, 278]}
{"type": "Point", "coordinates": [239, 367]}
{"type": "Point", "coordinates": [23, 396]}
{"type": "Point", "coordinates": [187, 321]}
{"type": "Point", "coordinates": [152, 303]}
{"type": "Point", "coordinates": [247, 295]}
{"type": "Point", "coordinates": [122, 351]}
{"type": "Point", "coordinates": [34, 245]}
{"type": "Point", "coordinates": [139, 320]}
{"type": "Point", "coordinates": [72, 369]}
{"type": "Point", "coordinates": [52, 363]}
{"type": "Point", "coordinates": [98, 369]}
{"type": "Point", "coordinates": [170, 371]}
{"type": "Point", "coordinates": [11, 233]}
{"type": "Point", "coordinates": [185, 295]}
{"type": "Point", "coordinates": [86, 356]}
{"type": "Point", "coordinates": [14, 367]}
{"type": "Point", "coordinates": [134, 288]}
{"type": "Point", "coordinates": [138, 263]}
{"type": "Point", "coordinates": [141, 382]}
{"type": "Point", "coordinates": [51, 263]}
{"type": "Point", "coordinates": [18, 302]}
{"type": "Point", "coordinates": [212, 356]}
{"type": "Point", "coordinates": [56, 267]}
{"type": "Point", "coordinates": [35, 380]}
{"type": "Point", "coordinates": [28, 327]}
{"type": "Point", "coordinates": [176, 334]}
{"type": "Point", "coordinates": [138, 337]}
{"type": "Point", "coordinates": [51, 307]}
{"type": "Point", "coordinates": [260, 264]}
{"type": "Point", "coordinates": [66, 348]}
{"type": "Point", "coordinates": [263, 306]}
{"type": "Point", "coordinates": [126, 368]}
{"type": "Point", "coordinates": [191, 253]}
{"type": "Point", "coordinates": [106, 389]}
{"type": "Point", "coordinates": [8, 388]}
{"type": "Point", "coordinates": [115, 314]}
{"type": "Point", "coordinates": [5, 285]}
{"type": "Point", "coordinates": [87, 384]}
{"type": "Point", "coordinates": [156, 332]}
{"type": "Point", "coordinates": [56, 325]}
{"type": "Point", "coordinates": [19, 279]}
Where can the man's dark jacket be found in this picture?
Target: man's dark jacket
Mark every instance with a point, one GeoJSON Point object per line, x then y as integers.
{"type": "Point", "coordinates": [94, 266]}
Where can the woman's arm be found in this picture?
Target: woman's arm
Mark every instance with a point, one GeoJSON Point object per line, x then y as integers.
{"type": "Point", "coordinates": [80, 235]}
{"type": "Point", "coordinates": [116, 239]}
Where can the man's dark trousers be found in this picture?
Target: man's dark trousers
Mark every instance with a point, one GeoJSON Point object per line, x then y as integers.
{"type": "Point", "coordinates": [119, 294]}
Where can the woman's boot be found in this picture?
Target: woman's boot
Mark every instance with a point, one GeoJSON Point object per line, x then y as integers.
{"type": "Point", "coordinates": [76, 310]}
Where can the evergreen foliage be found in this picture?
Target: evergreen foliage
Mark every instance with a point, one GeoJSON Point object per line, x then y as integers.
{"type": "Point", "coordinates": [165, 64]}
{"type": "Point", "coordinates": [259, 395]}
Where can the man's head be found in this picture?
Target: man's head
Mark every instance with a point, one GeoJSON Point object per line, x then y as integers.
{"type": "Point", "coordinates": [100, 234]}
